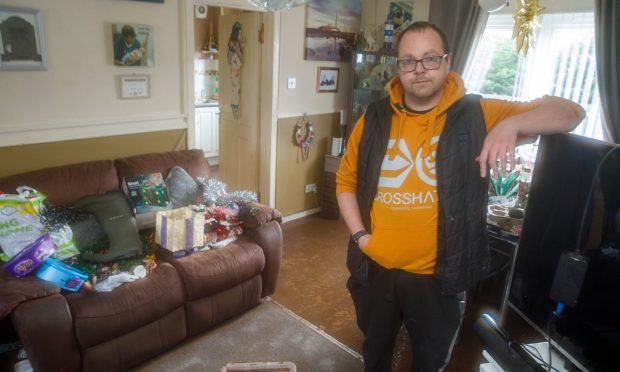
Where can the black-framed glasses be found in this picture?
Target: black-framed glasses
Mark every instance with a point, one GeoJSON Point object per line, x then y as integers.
{"type": "Point", "coordinates": [429, 63]}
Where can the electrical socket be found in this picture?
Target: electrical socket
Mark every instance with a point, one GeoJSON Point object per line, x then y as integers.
{"type": "Point", "coordinates": [311, 187]}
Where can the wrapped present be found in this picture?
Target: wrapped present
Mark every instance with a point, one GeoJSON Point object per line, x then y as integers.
{"type": "Point", "coordinates": [179, 229]}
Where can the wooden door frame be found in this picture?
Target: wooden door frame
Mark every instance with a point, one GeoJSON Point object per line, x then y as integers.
{"type": "Point", "coordinates": [270, 66]}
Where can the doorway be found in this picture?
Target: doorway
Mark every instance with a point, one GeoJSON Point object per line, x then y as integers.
{"type": "Point", "coordinates": [233, 170]}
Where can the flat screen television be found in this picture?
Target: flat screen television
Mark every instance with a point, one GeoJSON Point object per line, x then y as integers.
{"type": "Point", "coordinates": [567, 211]}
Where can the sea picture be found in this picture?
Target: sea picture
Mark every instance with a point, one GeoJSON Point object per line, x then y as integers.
{"type": "Point", "coordinates": [330, 29]}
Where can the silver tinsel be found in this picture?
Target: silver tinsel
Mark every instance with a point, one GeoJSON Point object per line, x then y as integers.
{"type": "Point", "coordinates": [214, 193]}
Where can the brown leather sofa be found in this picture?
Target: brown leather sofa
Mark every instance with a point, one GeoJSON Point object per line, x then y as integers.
{"type": "Point", "coordinates": [118, 330]}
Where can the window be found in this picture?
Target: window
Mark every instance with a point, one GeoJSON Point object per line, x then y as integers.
{"type": "Point", "coordinates": [561, 63]}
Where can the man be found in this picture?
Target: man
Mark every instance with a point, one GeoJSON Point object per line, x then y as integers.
{"type": "Point", "coordinates": [412, 189]}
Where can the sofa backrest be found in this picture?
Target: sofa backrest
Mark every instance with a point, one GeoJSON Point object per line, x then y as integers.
{"type": "Point", "coordinates": [193, 161]}
{"type": "Point", "coordinates": [66, 184]}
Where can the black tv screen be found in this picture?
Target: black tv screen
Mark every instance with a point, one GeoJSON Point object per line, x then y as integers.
{"type": "Point", "coordinates": [563, 199]}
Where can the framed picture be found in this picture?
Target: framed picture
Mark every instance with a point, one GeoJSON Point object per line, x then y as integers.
{"type": "Point", "coordinates": [330, 29]}
{"type": "Point", "coordinates": [327, 80]}
{"type": "Point", "coordinates": [133, 45]}
{"type": "Point", "coordinates": [22, 42]}
{"type": "Point", "coordinates": [135, 86]}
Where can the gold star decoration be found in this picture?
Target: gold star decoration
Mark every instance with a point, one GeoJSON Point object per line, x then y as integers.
{"type": "Point", "coordinates": [526, 21]}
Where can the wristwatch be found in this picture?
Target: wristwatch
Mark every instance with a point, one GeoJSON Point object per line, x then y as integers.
{"type": "Point", "coordinates": [357, 236]}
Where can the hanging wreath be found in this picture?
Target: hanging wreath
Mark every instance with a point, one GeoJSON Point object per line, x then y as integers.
{"type": "Point", "coordinates": [526, 21]}
{"type": "Point", "coordinates": [304, 139]}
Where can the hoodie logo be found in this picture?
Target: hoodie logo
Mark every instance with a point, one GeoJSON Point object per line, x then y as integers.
{"type": "Point", "coordinates": [394, 171]}
{"type": "Point", "coordinates": [426, 167]}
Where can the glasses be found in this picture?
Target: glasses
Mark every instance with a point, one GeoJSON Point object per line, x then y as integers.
{"type": "Point", "coordinates": [428, 63]}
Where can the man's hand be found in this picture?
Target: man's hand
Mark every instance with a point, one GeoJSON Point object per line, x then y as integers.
{"type": "Point", "coordinates": [363, 241]}
{"type": "Point", "coordinates": [499, 145]}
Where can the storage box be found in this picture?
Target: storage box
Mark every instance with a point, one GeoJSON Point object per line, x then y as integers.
{"type": "Point", "coordinates": [147, 193]}
{"type": "Point", "coordinates": [61, 274]}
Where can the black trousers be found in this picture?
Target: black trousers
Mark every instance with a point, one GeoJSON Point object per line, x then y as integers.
{"type": "Point", "coordinates": [395, 297]}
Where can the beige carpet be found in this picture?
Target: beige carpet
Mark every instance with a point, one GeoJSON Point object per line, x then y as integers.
{"type": "Point", "coordinates": [267, 333]}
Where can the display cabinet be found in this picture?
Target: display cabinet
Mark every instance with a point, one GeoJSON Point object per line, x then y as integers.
{"type": "Point", "coordinates": [372, 71]}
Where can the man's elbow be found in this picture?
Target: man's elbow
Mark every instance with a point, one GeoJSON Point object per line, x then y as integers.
{"type": "Point", "coordinates": [571, 113]}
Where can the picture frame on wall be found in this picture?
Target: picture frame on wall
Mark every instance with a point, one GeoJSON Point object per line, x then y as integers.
{"type": "Point", "coordinates": [22, 39]}
{"type": "Point", "coordinates": [330, 29]}
{"type": "Point", "coordinates": [327, 80]}
{"type": "Point", "coordinates": [133, 45]}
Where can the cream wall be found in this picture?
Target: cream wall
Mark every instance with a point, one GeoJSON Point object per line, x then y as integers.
{"type": "Point", "coordinates": [323, 108]}
{"type": "Point", "coordinates": [293, 102]}
{"type": "Point", "coordinates": [304, 98]}
{"type": "Point", "coordinates": [78, 95]}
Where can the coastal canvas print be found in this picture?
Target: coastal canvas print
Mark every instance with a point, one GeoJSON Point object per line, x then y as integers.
{"type": "Point", "coordinates": [330, 29]}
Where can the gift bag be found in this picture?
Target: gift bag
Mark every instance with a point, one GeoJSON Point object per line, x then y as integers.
{"type": "Point", "coordinates": [19, 219]}
{"type": "Point", "coordinates": [179, 229]}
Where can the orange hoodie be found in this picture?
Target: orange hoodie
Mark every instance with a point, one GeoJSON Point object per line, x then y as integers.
{"type": "Point", "coordinates": [405, 210]}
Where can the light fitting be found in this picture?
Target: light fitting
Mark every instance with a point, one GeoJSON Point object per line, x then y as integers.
{"type": "Point", "coordinates": [276, 5]}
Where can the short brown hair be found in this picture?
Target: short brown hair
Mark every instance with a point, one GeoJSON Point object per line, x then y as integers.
{"type": "Point", "coordinates": [420, 26]}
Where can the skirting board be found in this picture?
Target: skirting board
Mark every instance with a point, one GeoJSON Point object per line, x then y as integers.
{"type": "Point", "coordinates": [301, 214]}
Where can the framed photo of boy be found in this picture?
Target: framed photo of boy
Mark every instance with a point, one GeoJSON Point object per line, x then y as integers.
{"type": "Point", "coordinates": [327, 80]}
{"type": "Point", "coordinates": [133, 45]}
{"type": "Point", "coordinates": [22, 42]}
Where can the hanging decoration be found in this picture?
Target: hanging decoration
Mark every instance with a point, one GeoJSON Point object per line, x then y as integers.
{"type": "Point", "coordinates": [236, 43]}
{"type": "Point", "coordinates": [526, 21]}
{"type": "Point", "coordinates": [304, 140]}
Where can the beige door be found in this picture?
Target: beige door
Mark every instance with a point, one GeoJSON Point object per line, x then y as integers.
{"type": "Point", "coordinates": [239, 129]}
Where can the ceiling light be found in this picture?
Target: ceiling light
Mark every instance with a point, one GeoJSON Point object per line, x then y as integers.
{"type": "Point", "coordinates": [276, 5]}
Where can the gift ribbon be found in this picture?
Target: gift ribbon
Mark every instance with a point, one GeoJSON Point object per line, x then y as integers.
{"type": "Point", "coordinates": [163, 232]}
{"type": "Point", "coordinates": [189, 233]}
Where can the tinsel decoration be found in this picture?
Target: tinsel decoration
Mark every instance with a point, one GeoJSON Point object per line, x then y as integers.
{"type": "Point", "coordinates": [214, 193]}
{"type": "Point", "coordinates": [526, 21]}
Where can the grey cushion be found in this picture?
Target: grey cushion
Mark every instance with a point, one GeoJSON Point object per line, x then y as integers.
{"type": "Point", "coordinates": [183, 190]}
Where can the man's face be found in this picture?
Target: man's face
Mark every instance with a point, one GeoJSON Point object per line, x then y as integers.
{"type": "Point", "coordinates": [423, 86]}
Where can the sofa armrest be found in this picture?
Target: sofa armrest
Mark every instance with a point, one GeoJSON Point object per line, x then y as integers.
{"type": "Point", "coordinates": [269, 237]}
{"type": "Point", "coordinates": [255, 214]}
{"type": "Point", "coordinates": [45, 328]}
{"type": "Point", "coordinates": [14, 291]}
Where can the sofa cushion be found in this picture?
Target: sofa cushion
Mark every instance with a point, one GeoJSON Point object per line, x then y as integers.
{"type": "Point", "coordinates": [193, 161]}
{"type": "Point", "coordinates": [216, 270]}
{"type": "Point", "coordinates": [100, 317]}
{"type": "Point", "coordinates": [65, 184]}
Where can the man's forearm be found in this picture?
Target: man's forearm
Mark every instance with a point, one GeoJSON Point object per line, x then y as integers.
{"type": "Point", "coordinates": [350, 211]}
{"type": "Point", "coordinates": [553, 115]}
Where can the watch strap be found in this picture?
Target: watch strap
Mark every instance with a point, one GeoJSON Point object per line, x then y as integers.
{"type": "Point", "coordinates": [358, 235]}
